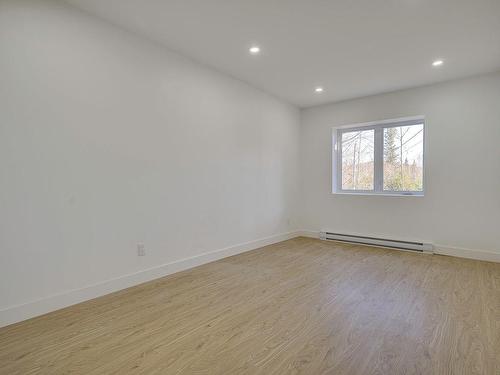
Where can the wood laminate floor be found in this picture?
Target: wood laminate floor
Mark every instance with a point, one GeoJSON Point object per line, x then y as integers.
{"type": "Point", "coordinates": [302, 306]}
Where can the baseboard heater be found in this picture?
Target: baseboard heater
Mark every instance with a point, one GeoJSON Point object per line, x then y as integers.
{"type": "Point", "coordinates": [374, 241]}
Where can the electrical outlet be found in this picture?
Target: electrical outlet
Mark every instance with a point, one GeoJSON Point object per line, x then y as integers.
{"type": "Point", "coordinates": [141, 250]}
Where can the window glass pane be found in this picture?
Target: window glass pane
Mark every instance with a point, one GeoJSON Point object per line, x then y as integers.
{"type": "Point", "coordinates": [403, 158]}
{"type": "Point", "coordinates": [357, 160]}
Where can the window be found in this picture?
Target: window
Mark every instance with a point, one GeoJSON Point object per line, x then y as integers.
{"type": "Point", "coordinates": [357, 159]}
{"type": "Point", "coordinates": [379, 158]}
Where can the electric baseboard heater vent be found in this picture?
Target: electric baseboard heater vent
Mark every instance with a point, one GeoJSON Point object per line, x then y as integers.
{"type": "Point", "coordinates": [374, 241]}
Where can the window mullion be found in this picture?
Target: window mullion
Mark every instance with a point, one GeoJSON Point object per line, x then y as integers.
{"type": "Point", "coordinates": [379, 160]}
{"type": "Point", "coordinates": [339, 161]}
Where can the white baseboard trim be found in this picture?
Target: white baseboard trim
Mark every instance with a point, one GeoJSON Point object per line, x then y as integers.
{"type": "Point", "coordinates": [14, 314]}
{"type": "Point", "coordinates": [459, 252]}
{"type": "Point", "coordinates": [308, 233]}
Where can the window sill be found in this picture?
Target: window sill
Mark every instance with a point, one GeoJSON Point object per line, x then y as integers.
{"type": "Point", "coordinates": [419, 195]}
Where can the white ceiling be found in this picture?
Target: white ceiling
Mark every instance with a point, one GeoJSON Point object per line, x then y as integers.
{"type": "Point", "coordinates": [352, 48]}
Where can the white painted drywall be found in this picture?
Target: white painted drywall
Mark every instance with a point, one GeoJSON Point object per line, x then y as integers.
{"type": "Point", "coordinates": [461, 207]}
{"type": "Point", "coordinates": [107, 139]}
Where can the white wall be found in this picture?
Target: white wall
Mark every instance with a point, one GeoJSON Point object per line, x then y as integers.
{"type": "Point", "coordinates": [107, 139]}
{"type": "Point", "coordinates": [461, 207]}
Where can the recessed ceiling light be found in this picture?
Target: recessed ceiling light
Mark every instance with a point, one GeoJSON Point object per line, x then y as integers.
{"type": "Point", "coordinates": [438, 63]}
{"type": "Point", "coordinates": [319, 89]}
{"type": "Point", "coordinates": [254, 50]}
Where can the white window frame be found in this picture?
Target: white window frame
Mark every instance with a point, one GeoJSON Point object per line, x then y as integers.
{"type": "Point", "coordinates": [378, 172]}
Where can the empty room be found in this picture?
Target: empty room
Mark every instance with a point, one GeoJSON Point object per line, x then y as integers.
{"type": "Point", "coordinates": [250, 187]}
